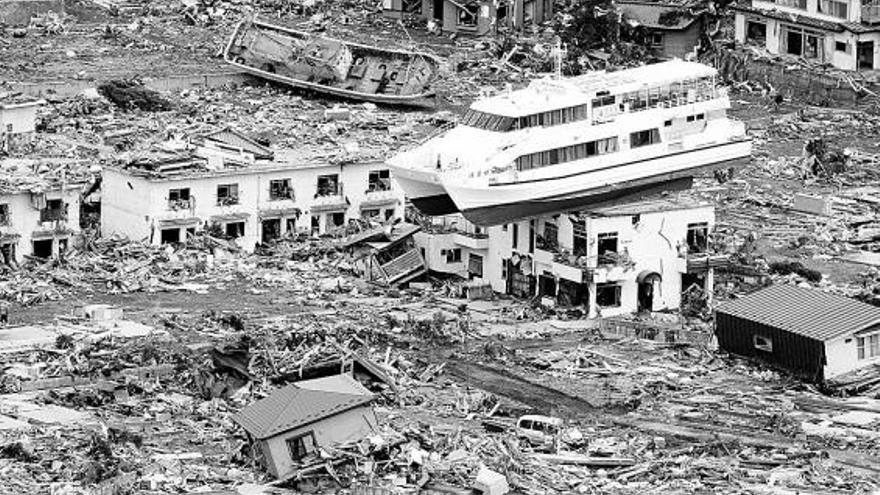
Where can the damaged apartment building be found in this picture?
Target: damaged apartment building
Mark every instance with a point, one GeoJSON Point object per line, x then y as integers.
{"type": "Point", "coordinates": [40, 221]}
{"type": "Point", "coordinates": [607, 261]}
{"type": "Point", "coordinates": [843, 33]}
{"type": "Point", "coordinates": [236, 188]}
{"type": "Point", "coordinates": [476, 17]}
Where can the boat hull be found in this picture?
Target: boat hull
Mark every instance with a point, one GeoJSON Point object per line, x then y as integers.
{"type": "Point", "coordinates": [499, 204]}
{"type": "Point", "coordinates": [424, 190]}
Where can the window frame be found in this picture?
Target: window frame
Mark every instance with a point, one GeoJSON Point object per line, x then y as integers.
{"type": "Point", "coordinates": [292, 443]}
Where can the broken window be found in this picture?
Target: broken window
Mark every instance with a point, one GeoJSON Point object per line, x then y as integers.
{"type": "Point", "coordinates": [453, 255]}
{"type": "Point", "coordinates": [550, 239]}
{"type": "Point", "coordinates": [698, 237]}
{"type": "Point", "coordinates": [316, 224]}
{"type": "Point", "coordinates": [531, 236]}
{"type": "Point", "coordinates": [280, 189]}
{"type": "Point", "coordinates": [337, 219]}
{"type": "Point", "coordinates": [841, 46]}
{"type": "Point", "coordinates": [178, 199]}
{"type": "Point", "coordinates": [301, 445]}
{"type": "Point", "coordinates": [644, 138]}
{"type": "Point", "coordinates": [4, 214]}
{"type": "Point", "coordinates": [762, 343]}
{"type": "Point", "coordinates": [379, 180]}
{"type": "Point", "coordinates": [579, 245]}
{"type": "Point", "coordinates": [43, 248]}
{"type": "Point", "coordinates": [608, 295]}
{"type": "Point", "coordinates": [412, 6]}
{"type": "Point", "coordinates": [235, 229]}
{"type": "Point", "coordinates": [467, 15]}
{"type": "Point", "coordinates": [475, 265]}
{"type": "Point", "coordinates": [607, 247]}
{"type": "Point", "coordinates": [389, 214]}
{"type": "Point", "coordinates": [55, 210]}
{"type": "Point", "coordinates": [833, 8]}
{"type": "Point", "coordinates": [227, 194]}
{"type": "Point", "coordinates": [371, 213]}
{"type": "Point", "coordinates": [514, 235]}
{"type": "Point", "coordinates": [655, 39]}
{"type": "Point", "coordinates": [756, 32]}
{"type": "Point", "coordinates": [328, 185]}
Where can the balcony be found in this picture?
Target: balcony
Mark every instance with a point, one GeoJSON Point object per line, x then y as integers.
{"type": "Point", "coordinates": [404, 267]}
{"type": "Point", "coordinates": [472, 240]}
{"type": "Point", "coordinates": [701, 262]}
{"type": "Point", "coordinates": [375, 198]}
{"type": "Point", "coordinates": [871, 13]}
{"type": "Point", "coordinates": [227, 201]}
{"type": "Point", "coordinates": [181, 204]}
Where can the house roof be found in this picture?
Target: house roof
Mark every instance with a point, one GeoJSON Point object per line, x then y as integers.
{"type": "Point", "coordinates": [292, 407]}
{"type": "Point", "coordinates": [793, 18]}
{"type": "Point", "coordinates": [342, 383]}
{"type": "Point", "coordinates": [232, 137]}
{"type": "Point", "coordinates": [648, 14]}
{"type": "Point", "coordinates": [806, 312]}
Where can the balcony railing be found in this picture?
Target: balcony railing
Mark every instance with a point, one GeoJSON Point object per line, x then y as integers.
{"type": "Point", "coordinates": [53, 215]}
{"type": "Point", "coordinates": [227, 201]}
{"type": "Point", "coordinates": [701, 262]}
{"type": "Point", "coordinates": [403, 265]}
{"type": "Point", "coordinates": [181, 204]}
{"type": "Point", "coordinates": [871, 13]}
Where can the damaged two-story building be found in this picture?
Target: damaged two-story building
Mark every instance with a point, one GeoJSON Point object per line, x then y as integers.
{"type": "Point", "coordinates": [18, 121]}
{"type": "Point", "coordinates": [607, 261]}
{"type": "Point", "coordinates": [477, 17]}
{"type": "Point", "coordinates": [843, 33]}
{"type": "Point", "coordinates": [37, 219]}
{"type": "Point", "coordinates": [242, 190]}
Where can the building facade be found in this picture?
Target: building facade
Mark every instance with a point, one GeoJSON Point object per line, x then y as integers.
{"type": "Point", "coordinates": [843, 33]}
{"type": "Point", "coordinates": [608, 261]}
{"type": "Point", "coordinates": [237, 196]}
{"type": "Point", "coordinates": [677, 39]}
{"type": "Point", "coordinates": [18, 122]}
{"type": "Point", "coordinates": [476, 17]}
{"type": "Point", "coordinates": [39, 223]}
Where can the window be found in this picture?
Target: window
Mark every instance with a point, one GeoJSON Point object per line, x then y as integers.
{"type": "Point", "coordinates": [567, 154]}
{"type": "Point", "coordinates": [301, 445]}
{"type": "Point", "coordinates": [833, 8]}
{"type": "Point", "coordinates": [467, 15]}
{"type": "Point", "coordinates": [453, 255]}
{"type": "Point", "coordinates": [227, 194]}
{"type": "Point", "coordinates": [874, 341]}
{"type": "Point", "coordinates": [756, 32]}
{"type": "Point", "coordinates": [531, 236]}
{"type": "Point", "coordinates": [170, 236]}
{"type": "Point", "coordinates": [579, 247]}
{"type": "Point", "coordinates": [179, 199]}
{"type": "Point", "coordinates": [475, 265]}
{"type": "Point", "coordinates": [701, 116]}
{"type": "Point", "coordinates": [603, 100]}
{"type": "Point", "coordinates": [389, 214]}
{"type": "Point", "coordinates": [860, 347]}
{"type": "Point", "coordinates": [762, 343]}
{"type": "Point", "coordinates": [235, 229]}
{"type": "Point", "coordinates": [655, 39]}
{"type": "Point", "coordinates": [635, 219]}
{"type": "Point", "coordinates": [667, 123]}
{"type": "Point", "coordinates": [328, 185]}
{"type": "Point", "coordinates": [841, 46]}
{"type": "Point", "coordinates": [371, 213]}
{"type": "Point", "coordinates": [337, 219]}
{"type": "Point", "coordinates": [4, 214]}
{"type": "Point", "coordinates": [798, 4]}
{"type": "Point", "coordinates": [644, 138]}
{"type": "Point", "coordinates": [550, 239]}
{"type": "Point", "coordinates": [697, 237]}
{"type": "Point", "coordinates": [55, 210]}
{"type": "Point", "coordinates": [607, 244]}
{"type": "Point", "coordinates": [412, 6]}
{"type": "Point", "coordinates": [379, 180]}
{"type": "Point", "coordinates": [280, 189]}
{"type": "Point", "coordinates": [868, 346]}
{"type": "Point", "coordinates": [515, 236]}
{"type": "Point", "coordinates": [608, 295]}
{"type": "Point", "coordinates": [504, 269]}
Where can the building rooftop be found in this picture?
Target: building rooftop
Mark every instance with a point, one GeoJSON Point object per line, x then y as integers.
{"type": "Point", "coordinates": [544, 95]}
{"type": "Point", "coordinates": [292, 407]}
{"type": "Point", "coordinates": [19, 175]}
{"type": "Point", "coordinates": [807, 312]}
{"type": "Point", "coordinates": [650, 204]}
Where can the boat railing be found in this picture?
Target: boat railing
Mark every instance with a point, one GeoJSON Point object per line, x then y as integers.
{"type": "Point", "coordinates": [697, 96]}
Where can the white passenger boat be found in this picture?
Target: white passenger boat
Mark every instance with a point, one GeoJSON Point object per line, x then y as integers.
{"type": "Point", "coordinates": [569, 143]}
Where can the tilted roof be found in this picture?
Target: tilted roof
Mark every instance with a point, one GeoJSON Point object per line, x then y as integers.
{"type": "Point", "coordinates": [648, 14]}
{"type": "Point", "coordinates": [807, 312]}
{"type": "Point", "coordinates": [292, 407]}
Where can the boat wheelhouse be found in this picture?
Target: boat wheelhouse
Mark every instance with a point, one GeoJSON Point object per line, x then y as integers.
{"type": "Point", "coordinates": [575, 142]}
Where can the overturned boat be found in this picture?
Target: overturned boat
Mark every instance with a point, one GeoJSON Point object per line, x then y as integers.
{"type": "Point", "coordinates": [334, 67]}
{"type": "Point", "coordinates": [569, 143]}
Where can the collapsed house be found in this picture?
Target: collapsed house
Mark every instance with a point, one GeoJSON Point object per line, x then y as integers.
{"type": "Point", "coordinates": [290, 426]}
{"type": "Point", "coordinates": [40, 220]}
{"type": "Point", "coordinates": [607, 261]}
{"type": "Point", "coordinates": [18, 118]}
{"type": "Point", "coordinates": [676, 38]}
{"type": "Point", "coordinates": [843, 33]}
{"type": "Point", "coordinates": [239, 189]}
{"type": "Point", "coordinates": [809, 332]}
{"type": "Point", "coordinates": [387, 255]}
{"type": "Point", "coordinates": [477, 17]}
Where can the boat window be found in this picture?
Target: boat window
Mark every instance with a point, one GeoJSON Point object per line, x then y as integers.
{"type": "Point", "coordinates": [644, 138]}
{"type": "Point", "coordinates": [393, 76]}
{"type": "Point", "coordinates": [603, 101]}
{"type": "Point", "coordinates": [566, 154]}
{"type": "Point", "coordinates": [482, 120]}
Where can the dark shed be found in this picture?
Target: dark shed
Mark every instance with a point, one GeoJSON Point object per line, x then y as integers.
{"type": "Point", "coordinates": [790, 326]}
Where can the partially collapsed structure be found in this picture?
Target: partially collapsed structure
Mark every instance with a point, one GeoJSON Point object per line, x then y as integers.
{"type": "Point", "coordinates": [477, 17]}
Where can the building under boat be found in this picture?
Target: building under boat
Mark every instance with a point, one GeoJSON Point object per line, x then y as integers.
{"type": "Point", "coordinates": [570, 143]}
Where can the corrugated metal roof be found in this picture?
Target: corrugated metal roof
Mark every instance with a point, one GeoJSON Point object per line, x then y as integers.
{"type": "Point", "coordinates": [648, 14]}
{"type": "Point", "coordinates": [808, 312]}
{"type": "Point", "coordinates": [292, 407]}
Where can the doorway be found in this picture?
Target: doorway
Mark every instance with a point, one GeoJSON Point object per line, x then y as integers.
{"type": "Point", "coordinates": [438, 10]}
{"type": "Point", "coordinates": [7, 253]}
{"type": "Point", "coordinates": [271, 230]}
{"type": "Point", "coordinates": [794, 43]}
{"type": "Point", "coordinates": [865, 55]}
{"type": "Point", "coordinates": [170, 236]}
{"type": "Point", "coordinates": [646, 296]}
{"type": "Point", "coordinates": [43, 248]}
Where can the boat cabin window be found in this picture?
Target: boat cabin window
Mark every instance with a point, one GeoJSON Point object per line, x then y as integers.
{"type": "Point", "coordinates": [603, 101]}
{"type": "Point", "coordinates": [669, 95]}
{"type": "Point", "coordinates": [644, 138]}
{"type": "Point", "coordinates": [566, 154]}
{"type": "Point", "coordinates": [487, 121]}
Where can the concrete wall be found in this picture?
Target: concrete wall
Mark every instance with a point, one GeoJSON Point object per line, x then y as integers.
{"type": "Point", "coordinates": [24, 222]}
{"type": "Point", "coordinates": [352, 424]}
{"type": "Point", "coordinates": [433, 246]}
{"type": "Point", "coordinates": [23, 119]}
{"type": "Point", "coordinates": [138, 208]}
{"type": "Point", "coordinates": [680, 43]}
{"type": "Point", "coordinates": [19, 12]}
